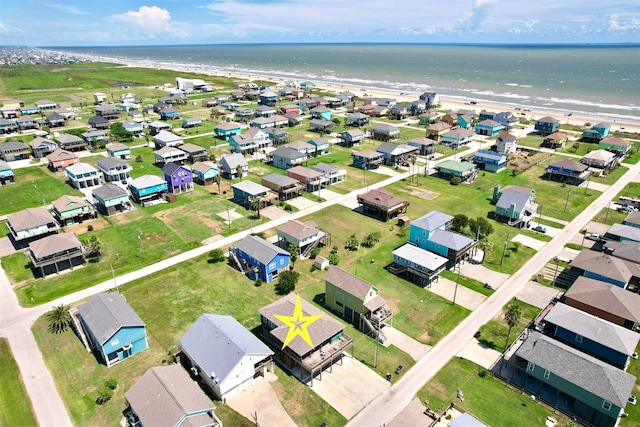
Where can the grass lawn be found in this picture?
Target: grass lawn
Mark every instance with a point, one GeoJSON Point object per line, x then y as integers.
{"type": "Point", "coordinates": [494, 333]}
{"type": "Point", "coordinates": [15, 406]}
{"type": "Point", "coordinates": [467, 282]}
{"type": "Point", "coordinates": [633, 420]}
{"type": "Point", "coordinates": [488, 399]}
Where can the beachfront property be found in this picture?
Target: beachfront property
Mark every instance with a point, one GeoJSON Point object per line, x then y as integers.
{"type": "Point", "coordinates": [602, 159]}
{"type": "Point", "coordinates": [109, 327]}
{"type": "Point", "coordinates": [179, 178]}
{"type": "Point", "coordinates": [165, 138]}
{"type": "Point", "coordinates": [114, 170]}
{"type": "Point", "coordinates": [6, 173]}
{"type": "Point", "coordinates": [224, 355]}
{"type": "Point", "coordinates": [54, 253]}
{"type": "Point", "coordinates": [515, 205]}
{"type": "Point", "coordinates": [72, 143]}
{"type": "Point", "coordinates": [234, 166]}
{"type": "Point", "coordinates": [285, 187]}
{"type": "Point", "coordinates": [82, 175]}
{"type": "Point", "coordinates": [147, 189]}
{"type": "Point", "coordinates": [245, 192]}
{"type": "Point", "coordinates": [305, 236]}
{"type": "Point", "coordinates": [259, 259]}
{"type": "Point", "coordinates": [437, 130]}
{"type": "Point", "coordinates": [604, 267]}
{"type": "Point", "coordinates": [169, 155]}
{"type": "Point", "coordinates": [226, 129]}
{"type": "Point", "coordinates": [449, 169]}
{"type": "Point", "coordinates": [60, 159]}
{"type": "Point", "coordinates": [70, 209]}
{"type": "Point", "coordinates": [178, 400]}
{"type": "Point", "coordinates": [568, 170]}
{"type": "Point", "coordinates": [381, 204]}
{"type": "Point", "coordinates": [417, 265]}
{"type": "Point", "coordinates": [367, 159]}
{"type": "Point", "coordinates": [14, 150]}
{"type": "Point", "coordinates": [284, 157]}
{"type": "Point", "coordinates": [31, 224]}
{"type": "Point", "coordinates": [397, 155]}
{"type": "Point", "coordinates": [385, 132]}
{"type": "Point", "coordinates": [110, 199]}
{"type": "Point", "coordinates": [620, 146]}
{"type": "Point", "coordinates": [431, 99]}
{"type": "Point", "coordinates": [303, 361]}
{"type": "Point", "coordinates": [490, 161]}
{"type": "Point", "coordinates": [313, 180]}
{"type": "Point", "coordinates": [488, 127]}
{"type": "Point", "coordinates": [597, 132]}
{"type": "Point", "coordinates": [333, 174]}
{"type": "Point", "coordinates": [204, 173]}
{"type": "Point", "coordinates": [351, 138]}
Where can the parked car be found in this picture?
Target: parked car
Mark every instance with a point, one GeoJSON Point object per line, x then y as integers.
{"type": "Point", "coordinates": [625, 209]}
{"type": "Point", "coordinates": [632, 399]}
{"type": "Point", "coordinates": [539, 228]}
{"type": "Point", "coordinates": [593, 236]}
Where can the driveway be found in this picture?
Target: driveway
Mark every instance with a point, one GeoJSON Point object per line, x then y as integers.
{"type": "Point", "coordinates": [261, 400]}
{"type": "Point", "coordinates": [412, 347]}
{"type": "Point", "coordinates": [349, 387]}
{"type": "Point", "coordinates": [412, 415]}
{"type": "Point", "coordinates": [536, 294]}
{"type": "Point", "coordinates": [479, 353]}
{"type": "Point", "coordinates": [6, 247]}
{"type": "Point", "coordinates": [529, 242]}
{"type": "Point", "coordinates": [464, 296]}
{"type": "Point", "coordinates": [328, 194]}
{"type": "Point", "coordinates": [301, 203]}
{"type": "Point", "coordinates": [273, 212]}
{"type": "Point", "coordinates": [482, 274]}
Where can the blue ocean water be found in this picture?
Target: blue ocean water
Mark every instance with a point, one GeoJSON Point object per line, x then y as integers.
{"type": "Point", "coordinates": [601, 79]}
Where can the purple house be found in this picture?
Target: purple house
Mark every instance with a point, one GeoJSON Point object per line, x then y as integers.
{"type": "Point", "coordinates": [179, 178]}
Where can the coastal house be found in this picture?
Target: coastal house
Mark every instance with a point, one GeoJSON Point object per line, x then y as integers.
{"type": "Point", "coordinates": [147, 188]}
{"type": "Point", "coordinates": [428, 117]}
{"type": "Point", "coordinates": [8, 126]}
{"type": "Point", "coordinates": [45, 104]}
{"type": "Point", "coordinates": [165, 138]}
{"type": "Point", "coordinates": [366, 159]}
{"type": "Point", "coordinates": [98, 122]}
{"type": "Point", "coordinates": [437, 130]}
{"type": "Point", "coordinates": [385, 132]}
{"type": "Point", "coordinates": [322, 126]}
{"type": "Point", "coordinates": [82, 175]}
{"type": "Point", "coordinates": [466, 171]}
{"type": "Point", "coordinates": [108, 111]}
{"type": "Point", "coordinates": [157, 126]}
{"type": "Point", "coordinates": [278, 136]}
{"type": "Point", "coordinates": [506, 143]}
{"type": "Point", "coordinates": [26, 123]}
{"type": "Point", "coordinates": [177, 400]}
{"type": "Point", "coordinates": [605, 300]}
{"type": "Point", "coordinates": [622, 233]}
{"type": "Point", "coordinates": [302, 360]}
{"type": "Point", "coordinates": [568, 170]}
{"type": "Point", "coordinates": [70, 209]}
{"type": "Point", "coordinates": [488, 127]}
{"type": "Point", "coordinates": [382, 204]}
{"type": "Point", "coordinates": [179, 178]}
{"type": "Point", "coordinates": [321, 146]}
{"type": "Point", "coordinates": [592, 391]}
{"type": "Point", "coordinates": [555, 140]}
{"type": "Point", "coordinates": [169, 155]}
{"type": "Point", "coordinates": [54, 253]}
{"type": "Point", "coordinates": [547, 125]}
{"type": "Point", "coordinates": [244, 144]}
{"type": "Point", "coordinates": [515, 205]}
{"type": "Point", "coordinates": [195, 153]}
{"type": "Point", "coordinates": [457, 137]}
{"type": "Point", "coordinates": [431, 99]}
{"type": "Point", "coordinates": [431, 232]}
{"type": "Point", "coordinates": [72, 143]}
{"type": "Point", "coordinates": [170, 113]}
{"type": "Point", "coordinates": [604, 267]}
{"type": "Point", "coordinates": [14, 150]}
{"type": "Point", "coordinates": [397, 155]}
{"type": "Point", "coordinates": [357, 119]}
{"type": "Point", "coordinates": [333, 174]}
{"type": "Point", "coordinates": [450, 119]}
{"type": "Point", "coordinates": [351, 138]}
{"type": "Point", "coordinates": [28, 109]}
{"type": "Point", "coordinates": [597, 132]}
{"type": "Point", "coordinates": [424, 145]}
{"type": "Point", "coordinates": [491, 161]}
{"type": "Point", "coordinates": [204, 173]}
{"type": "Point", "coordinates": [305, 236]}
{"type": "Point", "coordinates": [465, 121]}
{"type": "Point", "coordinates": [234, 166]}
{"type": "Point", "coordinates": [31, 224]}
{"type": "Point", "coordinates": [259, 259]}
{"type": "Point", "coordinates": [191, 122]}
{"type": "Point", "coordinates": [616, 145]}
{"type": "Point", "coordinates": [226, 129]}
{"type": "Point", "coordinates": [118, 150]}
{"type": "Point", "coordinates": [599, 338]}
{"type": "Point", "coordinates": [244, 192]}
{"type": "Point", "coordinates": [61, 159]}
{"type": "Point", "coordinates": [285, 157]}
{"type": "Point", "coordinates": [601, 159]}
{"type": "Point", "coordinates": [109, 327]}
{"type": "Point", "coordinates": [285, 187]}
{"type": "Point", "coordinates": [312, 179]}
{"type": "Point", "coordinates": [506, 119]}
{"type": "Point", "coordinates": [357, 301]}
{"type": "Point", "coordinates": [110, 199]}
{"type": "Point", "coordinates": [55, 120]}
{"type": "Point", "coordinates": [6, 173]}
{"type": "Point", "coordinates": [114, 170]}
{"type": "Point", "coordinates": [320, 112]}
{"type": "Point", "coordinates": [225, 355]}
{"type": "Point", "coordinates": [417, 265]}
{"type": "Point", "coordinates": [243, 115]}
{"type": "Point", "coordinates": [95, 135]}
{"type": "Point", "coordinates": [268, 97]}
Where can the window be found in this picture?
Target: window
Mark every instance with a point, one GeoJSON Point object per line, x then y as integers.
{"type": "Point", "coordinates": [578, 338]}
{"type": "Point", "coordinates": [606, 405]}
{"type": "Point", "coordinates": [272, 265]}
{"type": "Point", "coordinates": [547, 374]}
{"type": "Point", "coordinates": [531, 366]}
{"type": "Point", "coordinates": [339, 294]}
{"type": "Point", "coordinates": [115, 342]}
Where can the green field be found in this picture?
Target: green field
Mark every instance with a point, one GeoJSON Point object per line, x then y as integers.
{"type": "Point", "coordinates": [15, 406]}
{"type": "Point", "coordinates": [493, 334]}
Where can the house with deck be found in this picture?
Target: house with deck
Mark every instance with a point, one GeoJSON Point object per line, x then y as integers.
{"type": "Point", "coordinates": [506, 143]}
{"type": "Point", "coordinates": [286, 158]}
{"type": "Point", "coordinates": [31, 223]}
{"type": "Point", "coordinates": [82, 175]}
{"type": "Point", "coordinates": [6, 173]}
{"type": "Point", "coordinates": [321, 146]}
{"type": "Point", "coordinates": [385, 132]}
{"type": "Point", "coordinates": [55, 253]}
{"type": "Point", "coordinates": [568, 170]}
{"type": "Point", "coordinates": [322, 126]}
{"type": "Point", "coordinates": [382, 204]}
{"type": "Point", "coordinates": [259, 259]}
{"type": "Point", "coordinates": [147, 188]}
{"type": "Point", "coordinates": [547, 125]}
{"type": "Point", "coordinates": [490, 161]}
{"type": "Point", "coordinates": [620, 146]}
{"type": "Point", "coordinates": [170, 113]}
{"type": "Point", "coordinates": [397, 155]}
{"type": "Point", "coordinates": [178, 400]}
{"type": "Point", "coordinates": [179, 178]}
{"type": "Point", "coordinates": [225, 130]}
{"type": "Point", "coordinates": [245, 192]}
{"type": "Point", "coordinates": [157, 126]}
{"type": "Point", "coordinates": [195, 153]}
{"type": "Point", "coordinates": [191, 122]}
{"type": "Point", "coordinates": [303, 361]}
{"type": "Point", "coordinates": [232, 164]}
{"type": "Point", "coordinates": [164, 138]}
{"type": "Point", "coordinates": [312, 179]}
{"type": "Point", "coordinates": [367, 159]}
{"type": "Point", "coordinates": [108, 111]}
{"type": "Point", "coordinates": [285, 187]}
{"type": "Point", "coordinates": [45, 104]}
{"type": "Point", "coordinates": [110, 199]}
{"type": "Point", "coordinates": [424, 145]}
{"type": "Point", "coordinates": [118, 150]}
{"type": "Point", "coordinates": [515, 205]}
{"type": "Point", "coordinates": [351, 138]}
{"type": "Point", "coordinates": [69, 142]}
{"type": "Point", "coordinates": [601, 159]}
{"type": "Point", "coordinates": [70, 209]}
{"type": "Point", "coordinates": [98, 122]}
{"type": "Point", "coordinates": [204, 173]}
{"type": "Point", "coordinates": [14, 150]}
{"type": "Point", "coordinates": [169, 155]}
{"type": "Point", "coordinates": [26, 123]}
{"type": "Point", "coordinates": [437, 130]}
{"type": "Point", "coordinates": [305, 236]}
{"type": "Point", "coordinates": [555, 140]}
{"type": "Point", "coordinates": [417, 265]}
{"type": "Point", "coordinates": [357, 301]}
{"type": "Point", "coordinates": [333, 174]}
{"type": "Point", "coordinates": [357, 119]}
{"type": "Point", "coordinates": [109, 327]}
{"type": "Point", "coordinates": [597, 132]}
{"type": "Point", "coordinates": [60, 159]}
{"type": "Point", "coordinates": [225, 355]}
{"type": "Point", "coordinates": [466, 171]}
{"type": "Point", "coordinates": [488, 127]}
{"type": "Point", "coordinates": [114, 170]}
{"type": "Point", "coordinates": [607, 268]}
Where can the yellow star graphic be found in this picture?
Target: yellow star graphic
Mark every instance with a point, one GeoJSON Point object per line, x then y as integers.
{"type": "Point", "coordinates": [298, 324]}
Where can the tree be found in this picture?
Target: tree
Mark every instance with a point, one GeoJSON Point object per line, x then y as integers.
{"type": "Point", "coordinates": [333, 258]}
{"type": "Point", "coordinates": [216, 255]}
{"type": "Point", "coordinates": [512, 317]}
{"type": "Point", "coordinates": [460, 221]}
{"type": "Point", "coordinates": [480, 226]}
{"type": "Point", "coordinates": [371, 239]}
{"type": "Point", "coordinates": [257, 203]}
{"type": "Point", "coordinates": [455, 180]}
{"type": "Point", "coordinates": [239, 171]}
{"type": "Point", "coordinates": [293, 254]}
{"type": "Point", "coordinates": [218, 180]}
{"type": "Point", "coordinates": [352, 243]}
{"type": "Point", "coordinates": [287, 282]}
{"type": "Point", "coordinates": [93, 248]}
{"type": "Point", "coordinates": [58, 319]}
{"type": "Point", "coordinates": [120, 133]}
{"type": "Point", "coordinates": [485, 246]}
{"type": "Point", "coordinates": [412, 160]}
{"type": "Point", "coordinates": [576, 146]}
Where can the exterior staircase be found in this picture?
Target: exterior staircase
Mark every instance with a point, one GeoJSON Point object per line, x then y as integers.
{"type": "Point", "coordinates": [78, 327]}
{"type": "Point", "coordinates": [236, 260]}
{"type": "Point", "coordinates": [372, 330]}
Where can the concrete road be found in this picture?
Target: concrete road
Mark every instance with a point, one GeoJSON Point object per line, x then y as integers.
{"type": "Point", "coordinates": [393, 401]}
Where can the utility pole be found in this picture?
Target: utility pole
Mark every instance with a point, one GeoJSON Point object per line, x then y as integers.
{"type": "Point", "coordinates": [228, 221]}
{"type": "Point", "coordinates": [555, 275]}
{"type": "Point", "coordinates": [567, 200]}
{"type": "Point", "coordinates": [540, 216]}
{"type": "Point", "coordinates": [504, 249]}
{"type": "Point", "coordinates": [455, 290]}
{"type": "Point", "coordinates": [115, 285]}
{"type": "Point", "coordinates": [606, 215]}
{"type": "Point", "coordinates": [587, 186]}
{"type": "Point", "coordinates": [141, 244]}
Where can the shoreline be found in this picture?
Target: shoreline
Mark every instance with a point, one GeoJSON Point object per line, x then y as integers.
{"type": "Point", "coordinates": [447, 102]}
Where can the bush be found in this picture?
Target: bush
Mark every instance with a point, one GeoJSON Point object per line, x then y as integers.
{"type": "Point", "coordinates": [111, 383]}
{"type": "Point", "coordinates": [334, 249]}
{"type": "Point", "coordinates": [216, 255]}
{"type": "Point", "coordinates": [287, 282]}
{"type": "Point", "coordinates": [258, 283]}
{"type": "Point", "coordinates": [288, 207]}
{"type": "Point", "coordinates": [352, 243]}
{"type": "Point", "coordinates": [482, 373]}
{"type": "Point", "coordinates": [333, 258]}
{"type": "Point", "coordinates": [371, 239]}
{"type": "Point", "coordinates": [89, 227]}
{"type": "Point", "coordinates": [104, 395]}
{"type": "Point", "coordinates": [139, 159]}
{"type": "Point", "coordinates": [314, 253]}
{"type": "Point", "coordinates": [455, 180]}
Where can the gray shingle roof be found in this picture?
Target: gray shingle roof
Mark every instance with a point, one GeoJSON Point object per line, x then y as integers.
{"type": "Point", "coordinates": [299, 230]}
{"type": "Point", "coordinates": [107, 192]}
{"type": "Point", "coordinates": [604, 265]}
{"type": "Point", "coordinates": [250, 187]}
{"type": "Point", "coordinates": [288, 153]}
{"type": "Point", "coordinates": [587, 372]}
{"type": "Point", "coordinates": [601, 331]}
{"type": "Point", "coordinates": [327, 169]}
{"type": "Point", "coordinates": [30, 218]}
{"type": "Point", "coordinates": [54, 244]}
{"type": "Point", "coordinates": [104, 314]}
{"type": "Point", "coordinates": [432, 220]}
{"type": "Point", "coordinates": [13, 146]}
{"type": "Point", "coordinates": [421, 257]}
{"type": "Point", "coordinates": [510, 196]}
{"type": "Point", "coordinates": [107, 163]}
{"type": "Point", "coordinates": [626, 232]}
{"type": "Point", "coordinates": [279, 180]}
{"type": "Point", "coordinates": [217, 343]}
{"type": "Point", "coordinates": [450, 240]}
{"type": "Point", "coordinates": [146, 181]}
{"type": "Point", "coordinates": [348, 282]}
{"type": "Point", "coordinates": [232, 161]}
{"type": "Point", "coordinates": [260, 249]}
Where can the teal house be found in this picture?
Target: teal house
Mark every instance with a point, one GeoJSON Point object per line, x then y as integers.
{"type": "Point", "coordinates": [466, 171]}
{"type": "Point", "coordinates": [147, 188]}
{"type": "Point", "coordinates": [109, 327]}
{"type": "Point", "coordinates": [488, 127]}
{"type": "Point", "coordinates": [204, 173]}
{"type": "Point", "coordinates": [321, 112]}
{"type": "Point", "coordinates": [596, 132]}
{"type": "Point", "coordinates": [118, 150]}
{"type": "Point", "coordinates": [6, 173]}
{"type": "Point", "coordinates": [616, 145]}
{"type": "Point", "coordinates": [465, 121]}
{"type": "Point", "coordinates": [321, 146]}
{"type": "Point", "coordinates": [226, 129]}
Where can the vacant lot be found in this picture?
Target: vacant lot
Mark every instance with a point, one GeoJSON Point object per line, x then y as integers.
{"type": "Point", "coordinates": [15, 406]}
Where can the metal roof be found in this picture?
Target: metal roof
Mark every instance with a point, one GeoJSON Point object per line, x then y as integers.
{"type": "Point", "coordinates": [421, 257]}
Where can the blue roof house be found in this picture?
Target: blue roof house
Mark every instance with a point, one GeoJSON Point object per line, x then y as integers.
{"type": "Point", "coordinates": [110, 327]}
{"type": "Point", "coordinates": [491, 161]}
{"type": "Point", "coordinates": [488, 127]}
{"type": "Point", "coordinates": [147, 188]}
{"type": "Point", "coordinates": [225, 355]}
{"type": "Point", "coordinates": [192, 122]}
{"type": "Point", "coordinates": [260, 259]}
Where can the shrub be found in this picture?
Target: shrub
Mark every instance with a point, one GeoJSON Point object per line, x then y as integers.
{"type": "Point", "coordinates": [333, 258]}
{"type": "Point", "coordinates": [334, 249]}
{"type": "Point", "coordinates": [258, 283]}
{"type": "Point", "coordinates": [287, 282]}
{"type": "Point", "coordinates": [371, 239]}
{"type": "Point", "coordinates": [352, 243]}
{"type": "Point", "coordinates": [216, 255]}
{"type": "Point", "coordinates": [89, 227]}
{"type": "Point", "coordinates": [139, 159]}
{"type": "Point", "coordinates": [111, 383]}
{"type": "Point", "coordinates": [104, 395]}
{"type": "Point", "coordinates": [482, 373]}
{"type": "Point", "coordinates": [288, 207]}
{"type": "Point", "coordinates": [314, 253]}
{"type": "Point", "coordinates": [455, 180]}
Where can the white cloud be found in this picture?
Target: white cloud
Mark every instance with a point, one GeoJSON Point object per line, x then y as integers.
{"type": "Point", "coordinates": [8, 29]}
{"type": "Point", "coordinates": [624, 22]}
{"type": "Point", "coordinates": [152, 21]}
{"type": "Point", "coordinates": [72, 10]}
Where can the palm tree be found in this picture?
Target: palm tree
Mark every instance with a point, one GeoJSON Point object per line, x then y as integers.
{"type": "Point", "coordinates": [58, 319]}
{"type": "Point", "coordinates": [293, 254]}
{"type": "Point", "coordinates": [412, 160]}
{"type": "Point", "coordinates": [93, 248]}
{"type": "Point", "coordinates": [512, 317]}
{"type": "Point", "coordinates": [218, 180]}
{"type": "Point", "coordinates": [239, 171]}
{"type": "Point", "coordinates": [257, 203]}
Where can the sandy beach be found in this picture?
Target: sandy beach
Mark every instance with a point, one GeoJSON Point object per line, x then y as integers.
{"type": "Point", "coordinates": [625, 124]}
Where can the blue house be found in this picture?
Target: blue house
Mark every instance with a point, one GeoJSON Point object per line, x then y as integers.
{"type": "Point", "coordinates": [147, 188]}
{"type": "Point", "coordinates": [547, 125]}
{"type": "Point", "coordinates": [285, 157]}
{"type": "Point", "coordinates": [110, 199]}
{"type": "Point", "coordinates": [110, 327]}
{"type": "Point", "coordinates": [321, 112]}
{"type": "Point", "coordinates": [268, 97]}
{"type": "Point", "coordinates": [6, 173]}
{"type": "Point", "coordinates": [259, 258]}
{"type": "Point", "coordinates": [118, 150]}
{"type": "Point", "coordinates": [204, 173]}
{"type": "Point", "coordinates": [597, 337]}
{"type": "Point", "coordinates": [596, 132]}
{"type": "Point", "coordinates": [490, 160]}
{"type": "Point", "coordinates": [133, 126]}
{"type": "Point", "coordinates": [225, 129]}
{"type": "Point", "coordinates": [321, 146]}
{"type": "Point", "coordinates": [465, 121]}
{"type": "Point", "coordinates": [488, 127]}
{"type": "Point", "coordinates": [192, 122]}
{"type": "Point", "coordinates": [431, 232]}
{"type": "Point", "coordinates": [169, 114]}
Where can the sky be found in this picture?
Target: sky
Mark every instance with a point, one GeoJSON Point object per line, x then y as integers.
{"type": "Point", "coordinates": [174, 22]}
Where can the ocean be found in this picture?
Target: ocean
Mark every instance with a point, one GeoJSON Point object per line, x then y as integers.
{"type": "Point", "coordinates": [593, 79]}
